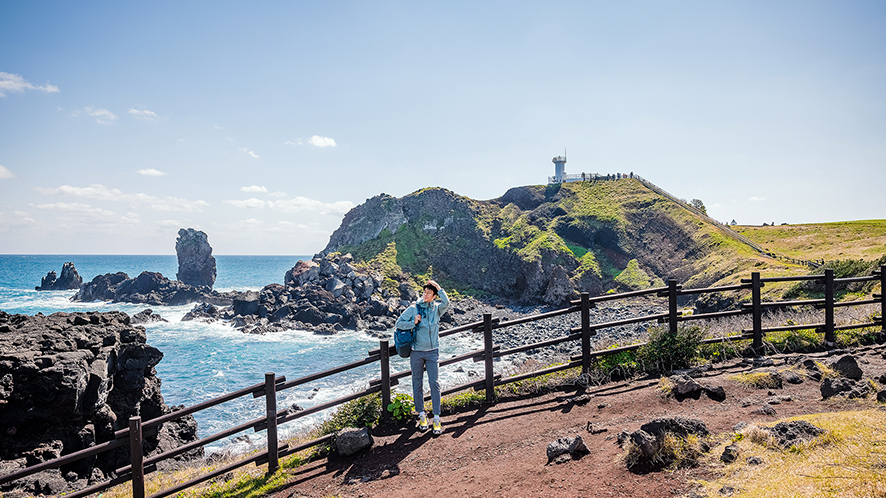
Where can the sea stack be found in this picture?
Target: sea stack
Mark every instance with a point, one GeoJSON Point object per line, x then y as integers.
{"type": "Point", "coordinates": [69, 279]}
{"type": "Point", "coordinates": [196, 266]}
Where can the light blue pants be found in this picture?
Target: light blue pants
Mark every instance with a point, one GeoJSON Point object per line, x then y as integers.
{"type": "Point", "coordinates": [420, 361]}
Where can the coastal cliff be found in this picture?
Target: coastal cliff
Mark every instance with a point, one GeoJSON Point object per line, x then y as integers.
{"type": "Point", "coordinates": [543, 243]}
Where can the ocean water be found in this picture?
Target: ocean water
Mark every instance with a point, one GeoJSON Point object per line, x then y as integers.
{"type": "Point", "coordinates": [202, 360]}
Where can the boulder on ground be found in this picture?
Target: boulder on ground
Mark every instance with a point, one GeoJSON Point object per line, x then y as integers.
{"type": "Point", "coordinates": [847, 366]}
{"type": "Point", "coordinates": [730, 453]}
{"type": "Point", "coordinates": [350, 441]}
{"type": "Point", "coordinates": [844, 387]}
{"type": "Point", "coordinates": [203, 312]}
{"type": "Point", "coordinates": [574, 446]}
{"type": "Point", "coordinates": [787, 434]}
{"type": "Point", "coordinates": [680, 426]}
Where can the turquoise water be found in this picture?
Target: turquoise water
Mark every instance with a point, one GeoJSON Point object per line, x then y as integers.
{"type": "Point", "coordinates": [202, 361]}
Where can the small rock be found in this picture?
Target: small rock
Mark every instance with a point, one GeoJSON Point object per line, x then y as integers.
{"type": "Point", "coordinates": [797, 431]}
{"type": "Point", "coordinates": [791, 377]}
{"type": "Point", "coordinates": [715, 393]}
{"type": "Point", "coordinates": [730, 453]}
{"type": "Point", "coordinates": [350, 440]}
{"type": "Point", "coordinates": [645, 441]}
{"type": "Point", "coordinates": [848, 367]}
{"type": "Point", "coordinates": [580, 400]}
{"type": "Point", "coordinates": [881, 396]}
{"type": "Point", "coordinates": [766, 409]}
{"type": "Point", "coordinates": [832, 387]}
{"type": "Point", "coordinates": [739, 426]}
{"type": "Point", "coordinates": [752, 460]}
{"type": "Point", "coordinates": [727, 491]}
{"type": "Point", "coordinates": [685, 385]}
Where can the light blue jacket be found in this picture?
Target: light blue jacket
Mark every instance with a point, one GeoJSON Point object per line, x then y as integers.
{"type": "Point", "coordinates": [427, 334]}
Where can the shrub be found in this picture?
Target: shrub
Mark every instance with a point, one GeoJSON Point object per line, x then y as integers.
{"type": "Point", "coordinates": [672, 451]}
{"type": "Point", "coordinates": [665, 351]}
{"type": "Point", "coordinates": [361, 412]}
{"type": "Point", "coordinates": [401, 407]}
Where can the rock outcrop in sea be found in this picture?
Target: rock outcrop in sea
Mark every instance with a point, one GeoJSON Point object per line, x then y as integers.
{"type": "Point", "coordinates": [149, 288]}
{"type": "Point", "coordinates": [196, 265]}
{"type": "Point", "coordinates": [68, 280]}
{"type": "Point", "coordinates": [69, 381]}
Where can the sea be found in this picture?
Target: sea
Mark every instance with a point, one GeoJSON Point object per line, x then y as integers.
{"type": "Point", "coordinates": [204, 360]}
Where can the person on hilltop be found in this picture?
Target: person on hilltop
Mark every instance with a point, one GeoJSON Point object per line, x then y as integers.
{"type": "Point", "coordinates": [425, 316]}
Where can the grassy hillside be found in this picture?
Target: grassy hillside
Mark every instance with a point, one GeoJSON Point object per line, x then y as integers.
{"type": "Point", "coordinates": [828, 241]}
{"type": "Point", "coordinates": [543, 241]}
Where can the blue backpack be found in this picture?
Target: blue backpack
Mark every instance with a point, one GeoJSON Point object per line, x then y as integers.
{"type": "Point", "coordinates": [403, 339]}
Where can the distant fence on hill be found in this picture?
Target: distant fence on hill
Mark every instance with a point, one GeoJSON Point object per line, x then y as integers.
{"type": "Point", "coordinates": [133, 436]}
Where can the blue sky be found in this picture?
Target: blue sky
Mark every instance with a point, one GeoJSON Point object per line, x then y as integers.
{"type": "Point", "coordinates": [121, 122]}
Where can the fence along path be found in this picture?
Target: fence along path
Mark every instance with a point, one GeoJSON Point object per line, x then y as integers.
{"type": "Point", "coordinates": [133, 436]}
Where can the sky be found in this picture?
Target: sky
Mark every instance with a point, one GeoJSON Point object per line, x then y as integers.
{"type": "Point", "coordinates": [263, 123]}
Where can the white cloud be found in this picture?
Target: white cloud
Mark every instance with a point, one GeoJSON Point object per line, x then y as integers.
{"type": "Point", "coordinates": [277, 195]}
{"type": "Point", "coordinates": [144, 114]}
{"type": "Point", "coordinates": [315, 141]}
{"type": "Point", "coordinates": [74, 207]}
{"type": "Point", "coordinates": [101, 115]}
{"type": "Point", "coordinates": [300, 204]}
{"type": "Point", "coordinates": [5, 174]}
{"type": "Point", "coordinates": [15, 83]}
{"type": "Point", "coordinates": [150, 172]}
{"type": "Point", "coordinates": [247, 204]}
{"type": "Point", "coordinates": [101, 193]}
{"type": "Point", "coordinates": [296, 205]}
{"type": "Point", "coordinates": [756, 199]}
{"type": "Point", "coordinates": [251, 153]}
{"type": "Point", "coordinates": [253, 188]}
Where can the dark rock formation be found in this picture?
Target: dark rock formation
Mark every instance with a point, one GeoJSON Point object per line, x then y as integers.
{"type": "Point", "coordinates": [149, 288]}
{"type": "Point", "coordinates": [202, 312]}
{"type": "Point", "coordinates": [680, 426]}
{"type": "Point", "coordinates": [196, 265]}
{"type": "Point", "coordinates": [67, 382]}
{"type": "Point", "coordinates": [146, 316]}
{"type": "Point", "coordinates": [730, 453]}
{"type": "Point", "coordinates": [69, 279]}
{"type": "Point", "coordinates": [787, 434]}
{"type": "Point", "coordinates": [847, 366]}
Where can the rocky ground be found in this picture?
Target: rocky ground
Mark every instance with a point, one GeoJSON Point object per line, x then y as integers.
{"type": "Point", "coordinates": [68, 381]}
{"type": "Point", "coordinates": [503, 449]}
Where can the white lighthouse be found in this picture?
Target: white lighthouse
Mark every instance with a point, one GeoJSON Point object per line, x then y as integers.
{"type": "Point", "coordinates": [559, 170]}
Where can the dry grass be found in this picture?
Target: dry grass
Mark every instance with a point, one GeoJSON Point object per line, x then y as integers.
{"type": "Point", "coordinates": [758, 380]}
{"type": "Point", "coordinates": [665, 387]}
{"type": "Point", "coordinates": [673, 452]}
{"type": "Point", "coordinates": [828, 241]}
{"type": "Point", "coordinates": [847, 461]}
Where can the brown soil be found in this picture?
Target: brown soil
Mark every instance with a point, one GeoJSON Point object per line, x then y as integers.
{"type": "Point", "coordinates": [500, 449]}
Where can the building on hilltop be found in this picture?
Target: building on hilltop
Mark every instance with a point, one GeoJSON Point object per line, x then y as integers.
{"type": "Point", "coordinates": [560, 175]}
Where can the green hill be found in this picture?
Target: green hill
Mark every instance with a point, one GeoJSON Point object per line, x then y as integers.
{"type": "Point", "coordinates": [547, 242]}
{"type": "Point", "coordinates": [864, 239]}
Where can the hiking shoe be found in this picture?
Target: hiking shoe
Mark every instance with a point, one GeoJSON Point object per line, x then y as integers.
{"type": "Point", "coordinates": [422, 423]}
{"type": "Point", "coordinates": [438, 428]}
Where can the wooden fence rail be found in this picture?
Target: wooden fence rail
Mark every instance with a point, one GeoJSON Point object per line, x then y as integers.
{"type": "Point", "coordinates": [134, 435]}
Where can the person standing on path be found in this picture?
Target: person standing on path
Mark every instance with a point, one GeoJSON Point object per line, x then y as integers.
{"type": "Point", "coordinates": [425, 316]}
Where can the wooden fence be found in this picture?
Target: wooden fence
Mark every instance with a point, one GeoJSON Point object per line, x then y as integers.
{"type": "Point", "coordinates": [138, 429]}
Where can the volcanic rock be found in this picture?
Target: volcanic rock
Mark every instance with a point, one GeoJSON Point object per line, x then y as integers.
{"type": "Point", "coordinates": [196, 265]}
{"type": "Point", "coordinates": [69, 279]}
{"type": "Point", "coordinates": [149, 288]}
{"type": "Point", "coordinates": [146, 316]}
{"type": "Point", "coordinates": [67, 382]}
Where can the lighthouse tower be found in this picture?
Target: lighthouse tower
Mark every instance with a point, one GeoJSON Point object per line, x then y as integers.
{"type": "Point", "coordinates": [559, 169]}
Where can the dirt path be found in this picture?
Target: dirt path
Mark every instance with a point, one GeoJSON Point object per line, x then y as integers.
{"type": "Point", "coordinates": [501, 449]}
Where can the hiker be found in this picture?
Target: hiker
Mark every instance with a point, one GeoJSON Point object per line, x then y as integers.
{"type": "Point", "coordinates": [425, 315]}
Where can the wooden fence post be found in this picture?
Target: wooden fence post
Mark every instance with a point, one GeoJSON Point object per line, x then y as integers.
{"type": "Point", "coordinates": [829, 337]}
{"type": "Point", "coordinates": [883, 298]}
{"type": "Point", "coordinates": [385, 379]}
{"type": "Point", "coordinates": [137, 458]}
{"type": "Point", "coordinates": [672, 306]}
{"type": "Point", "coordinates": [585, 332]}
{"type": "Point", "coordinates": [487, 357]}
{"type": "Point", "coordinates": [271, 414]}
{"type": "Point", "coordinates": [757, 312]}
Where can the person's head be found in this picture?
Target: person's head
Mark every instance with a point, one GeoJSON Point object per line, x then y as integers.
{"type": "Point", "coordinates": [430, 292]}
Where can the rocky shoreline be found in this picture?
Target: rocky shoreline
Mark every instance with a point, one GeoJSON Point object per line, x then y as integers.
{"type": "Point", "coordinates": [70, 380]}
